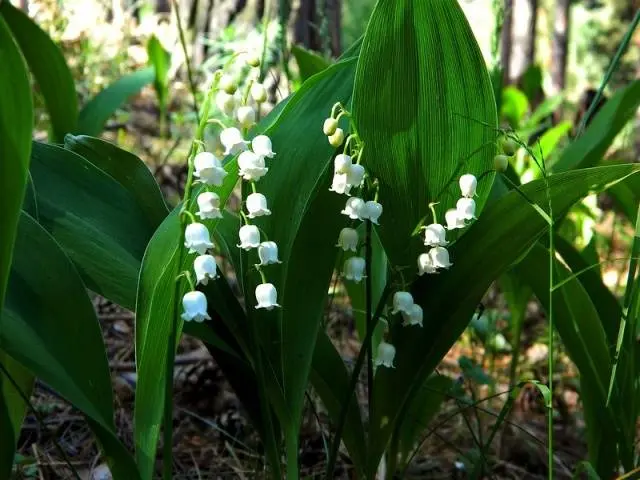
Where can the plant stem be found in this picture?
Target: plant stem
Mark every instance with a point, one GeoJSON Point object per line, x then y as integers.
{"type": "Point", "coordinates": [368, 254]}
{"type": "Point", "coordinates": [552, 255]}
{"type": "Point", "coordinates": [335, 445]}
{"type": "Point", "coordinates": [173, 334]}
{"type": "Point", "coordinates": [183, 43]}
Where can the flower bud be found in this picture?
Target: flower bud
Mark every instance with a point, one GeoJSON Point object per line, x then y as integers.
{"type": "Point", "coordinates": [226, 103]}
{"type": "Point", "coordinates": [268, 253]}
{"type": "Point", "coordinates": [329, 127]}
{"type": "Point", "coordinates": [348, 239]}
{"type": "Point", "coordinates": [468, 185]}
{"type": "Point", "coordinates": [195, 307]}
{"type": "Point", "coordinates": [249, 237]}
{"type": "Point", "coordinates": [196, 238]}
{"type": "Point", "coordinates": [228, 84]}
{"type": "Point", "coordinates": [500, 162]}
{"type": "Point", "coordinates": [440, 257]}
{"type": "Point", "coordinates": [246, 116]}
{"type": "Point", "coordinates": [257, 205]}
{"type": "Point", "coordinates": [336, 139]}
{"type": "Point", "coordinates": [258, 93]}
{"type": "Point", "coordinates": [267, 296]}
{"type": "Point", "coordinates": [466, 208]}
{"type": "Point", "coordinates": [509, 146]}
{"type": "Point", "coordinates": [208, 205]}
{"type": "Point", "coordinates": [402, 302]}
{"type": "Point", "coordinates": [435, 235]}
{"type": "Point", "coordinates": [206, 268]}
{"type": "Point", "coordinates": [354, 269]}
{"type": "Point", "coordinates": [253, 59]}
{"type": "Point", "coordinates": [262, 146]}
{"type": "Point", "coordinates": [385, 355]}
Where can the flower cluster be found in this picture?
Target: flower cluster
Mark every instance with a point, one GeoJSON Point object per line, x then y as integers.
{"type": "Point", "coordinates": [437, 257]}
{"type": "Point", "coordinates": [351, 179]}
{"type": "Point", "coordinates": [208, 171]}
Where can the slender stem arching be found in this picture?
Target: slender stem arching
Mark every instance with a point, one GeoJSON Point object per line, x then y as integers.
{"type": "Point", "coordinates": [368, 254]}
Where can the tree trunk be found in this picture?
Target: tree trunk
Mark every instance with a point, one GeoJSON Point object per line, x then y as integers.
{"type": "Point", "coordinates": [506, 41]}
{"type": "Point", "coordinates": [560, 45]}
{"type": "Point", "coordinates": [315, 24]}
{"type": "Point", "coordinates": [530, 45]}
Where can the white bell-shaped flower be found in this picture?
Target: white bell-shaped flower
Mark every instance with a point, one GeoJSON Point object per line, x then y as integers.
{"type": "Point", "coordinates": [267, 296]}
{"type": "Point", "coordinates": [468, 185]}
{"type": "Point", "coordinates": [355, 208]}
{"type": "Point", "coordinates": [225, 102]}
{"type": "Point", "coordinates": [466, 208]}
{"type": "Point", "coordinates": [342, 163]}
{"type": "Point", "coordinates": [268, 253]}
{"type": "Point", "coordinates": [251, 166]}
{"type": "Point", "coordinates": [228, 84]}
{"type": "Point", "coordinates": [257, 205]}
{"type": "Point", "coordinates": [402, 302]}
{"type": "Point", "coordinates": [348, 239]}
{"type": "Point", "coordinates": [372, 211]}
{"type": "Point", "coordinates": [435, 235]}
{"type": "Point", "coordinates": [258, 92]}
{"type": "Point", "coordinates": [195, 307]}
{"type": "Point", "coordinates": [206, 268]}
{"type": "Point", "coordinates": [386, 355]}
{"type": "Point", "coordinates": [208, 169]}
{"type": "Point", "coordinates": [354, 269]}
{"type": "Point", "coordinates": [196, 238]}
{"type": "Point", "coordinates": [336, 139]}
{"type": "Point", "coordinates": [440, 257]}
{"type": "Point", "coordinates": [246, 116]}
{"type": "Point", "coordinates": [425, 264]}
{"type": "Point", "coordinates": [339, 184]}
{"type": "Point", "coordinates": [329, 126]}
{"type": "Point", "coordinates": [208, 205]}
{"type": "Point", "coordinates": [454, 219]}
{"type": "Point", "coordinates": [355, 176]}
{"type": "Point", "coordinates": [261, 146]}
{"type": "Point", "coordinates": [414, 317]}
{"type": "Point", "coordinates": [249, 237]}
{"type": "Point", "coordinates": [232, 141]}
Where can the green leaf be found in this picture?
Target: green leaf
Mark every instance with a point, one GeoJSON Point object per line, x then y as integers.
{"type": "Point", "coordinates": [589, 149]}
{"type": "Point", "coordinates": [16, 123]}
{"type": "Point", "coordinates": [309, 63]}
{"type": "Point", "coordinates": [423, 52]}
{"type": "Point", "coordinates": [12, 408]}
{"type": "Point", "coordinates": [127, 169]}
{"type": "Point", "coordinates": [515, 106]}
{"type": "Point", "coordinates": [60, 341]}
{"type": "Point", "coordinates": [95, 114]}
{"type": "Point", "coordinates": [49, 69]}
{"type": "Point", "coordinates": [549, 141]}
{"type": "Point", "coordinates": [160, 60]}
{"type": "Point", "coordinates": [504, 232]}
{"type": "Point", "coordinates": [97, 221]}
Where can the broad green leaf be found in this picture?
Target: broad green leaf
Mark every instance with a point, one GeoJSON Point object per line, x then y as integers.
{"type": "Point", "coordinates": [309, 63]}
{"type": "Point", "coordinates": [12, 408]}
{"type": "Point", "coordinates": [584, 338]}
{"type": "Point", "coordinates": [626, 197]}
{"type": "Point", "coordinates": [514, 106]}
{"type": "Point", "coordinates": [160, 60]}
{"type": "Point", "coordinates": [97, 111]}
{"type": "Point", "coordinates": [97, 221]}
{"type": "Point", "coordinates": [125, 168]}
{"type": "Point", "coordinates": [16, 123]}
{"type": "Point", "coordinates": [549, 141]}
{"type": "Point", "coordinates": [49, 69]}
{"type": "Point", "coordinates": [60, 342]}
{"type": "Point", "coordinates": [589, 149]}
{"type": "Point", "coordinates": [504, 232]}
{"type": "Point", "coordinates": [423, 52]}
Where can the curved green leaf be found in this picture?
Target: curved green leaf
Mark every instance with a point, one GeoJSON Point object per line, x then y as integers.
{"type": "Point", "coordinates": [96, 220]}
{"type": "Point", "coordinates": [503, 233]}
{"type": "Point", "coordinates": [95, 114]}
{"type": "Point", "coordinates": [309, 63]}
{"type": "Point", "coordinates": [160, 60]}
{"type": "Point", "coordinates": [60, 341]}
{"type": "Point", "coordinates": [16, 124]}
{"type": "Point", "coordinates": [424, 52]}
{"type": "Point", "coordinates": [589, 149]}
{"type": "Point", "coordinates": [127, 169]}
{"type": "Point", "coordinates": [49, 69]}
